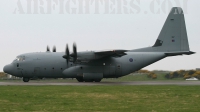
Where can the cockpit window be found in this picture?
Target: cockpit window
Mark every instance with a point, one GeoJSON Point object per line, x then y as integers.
{"type": "Point", "coordinates": [20, 58]}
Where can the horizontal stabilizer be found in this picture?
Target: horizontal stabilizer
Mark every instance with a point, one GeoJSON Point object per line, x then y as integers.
{"type": "Point", "coordinates": [179, 53]}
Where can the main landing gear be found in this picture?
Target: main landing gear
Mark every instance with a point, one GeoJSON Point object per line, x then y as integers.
{"type": "Point", "coordinates": [25, 79]}
{"type": "Point", "coordinates": [88, 80]}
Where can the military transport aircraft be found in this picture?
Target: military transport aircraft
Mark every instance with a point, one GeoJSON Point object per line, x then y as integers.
{"type": "Point", "coordinates": [92, 66]}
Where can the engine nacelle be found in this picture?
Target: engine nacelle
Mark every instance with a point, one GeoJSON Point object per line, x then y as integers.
{"type": "Point", "coordinates": [87, 56]}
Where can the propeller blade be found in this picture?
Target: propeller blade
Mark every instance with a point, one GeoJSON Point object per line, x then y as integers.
{"type": "Point", "coordinates": [54, 48]}
{"type": "Point", "coordinates": [67, 54]}
{"type": "Point", "coordinates": [48, 50]}
{"type": "Point", "coordinates": [74, 52]}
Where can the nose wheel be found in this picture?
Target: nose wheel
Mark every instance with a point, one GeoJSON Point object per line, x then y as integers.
{"type": "Point", "coordinates": [25, 79]}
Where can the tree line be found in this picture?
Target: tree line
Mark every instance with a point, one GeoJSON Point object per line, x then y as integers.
{"type": "Point", "coordinates": [150, 74]}
{"type": "Point", "coordinates": [183, 74]}
{"type": "Point", "coordinates": [2, 74]}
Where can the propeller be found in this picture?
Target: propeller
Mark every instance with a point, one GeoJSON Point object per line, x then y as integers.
{"type": "Point", "coordinates": [54, 48]}
{"type": "Point", "coordinates": [74, 54]}
{"type": "Point", "coordinates": [48, 50]}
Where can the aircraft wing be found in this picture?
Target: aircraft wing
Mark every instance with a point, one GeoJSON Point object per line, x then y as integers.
{"type": "Point", "coordinates": [112, 53]}
{"type": "Point", "coordinates": [95, 55]}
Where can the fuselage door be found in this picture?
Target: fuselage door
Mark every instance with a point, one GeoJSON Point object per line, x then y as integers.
{"type": "Point", "coordinates": [118, 70]}
{"type": "Point", "coordinates": [112, 70]}
{"type": "Point", "coordinates": [19, 71]}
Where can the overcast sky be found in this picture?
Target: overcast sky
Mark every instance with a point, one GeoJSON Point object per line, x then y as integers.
{"type": "Point", "coordinates": [30, 25]}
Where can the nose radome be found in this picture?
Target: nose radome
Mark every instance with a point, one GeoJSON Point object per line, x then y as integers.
{"type": "Point", "coordinates": [7, 69]}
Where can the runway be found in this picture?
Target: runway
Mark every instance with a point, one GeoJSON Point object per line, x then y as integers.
{"type": "Point", "coordinates": [41, 83]}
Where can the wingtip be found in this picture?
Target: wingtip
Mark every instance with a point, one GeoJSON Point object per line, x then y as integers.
{"type": "Point", "coordinates": [192, 52]}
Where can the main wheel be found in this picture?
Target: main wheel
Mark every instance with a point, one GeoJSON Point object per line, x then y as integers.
{"type": "Point", "coordinates": [97, 80]}
{"type": "Point", "coordinates": [25, 79]}
{"type": "Point", "coordinates": [88, 80]}
{"type": "Point", "coordinates": [79, 79]}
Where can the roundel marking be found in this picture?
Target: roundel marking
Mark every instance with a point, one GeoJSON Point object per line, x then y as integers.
{"type": "Point", "coordinates": [131, 59]}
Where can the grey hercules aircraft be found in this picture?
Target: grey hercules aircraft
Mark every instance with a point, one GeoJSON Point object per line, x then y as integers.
{"type": "Point", "coordinates": [92, 66]}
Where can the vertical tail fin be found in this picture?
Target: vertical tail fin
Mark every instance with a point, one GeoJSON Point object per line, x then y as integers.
{"type": "Point", "coordinates": [173, 36]}
{"type": "Point", "coordinates": [173, 39]}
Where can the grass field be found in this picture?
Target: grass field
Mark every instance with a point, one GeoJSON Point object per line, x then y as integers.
{"type": "Point", "coordinates": [100, 98]}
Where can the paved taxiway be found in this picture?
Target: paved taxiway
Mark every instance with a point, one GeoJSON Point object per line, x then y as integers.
{"type": "Point", "coordinates": [103, 83]}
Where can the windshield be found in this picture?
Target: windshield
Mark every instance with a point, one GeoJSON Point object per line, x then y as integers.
{"type": "Point", "coordinates": [20, 58]}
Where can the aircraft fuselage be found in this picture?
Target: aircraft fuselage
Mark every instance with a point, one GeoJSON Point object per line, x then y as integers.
{"type": "Point", "coordinates": [52, 65]}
